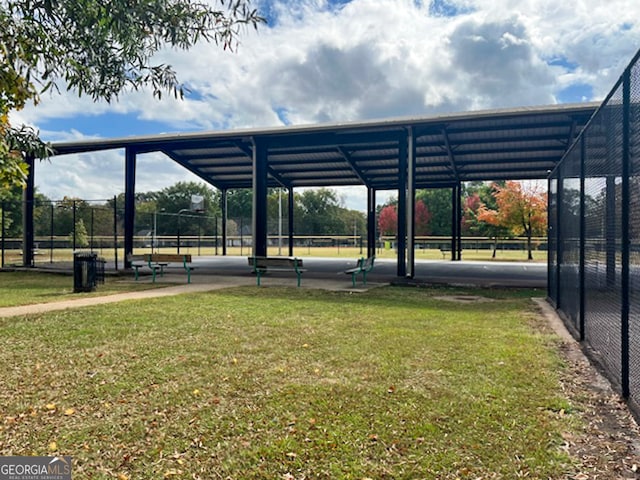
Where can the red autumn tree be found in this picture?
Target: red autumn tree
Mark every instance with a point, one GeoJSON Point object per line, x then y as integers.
{"type": "Point", "coordinates": [423, 217]}
{"type": "Point", "coordinates": [520, 208]}
{"type": "Point", "coordinates": [388, 220]}
{"type": "Point", "coordinates": [470, 210]}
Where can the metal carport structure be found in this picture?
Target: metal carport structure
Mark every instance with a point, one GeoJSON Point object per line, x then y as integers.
{"type": "Point", "coordinates": [403, 154]}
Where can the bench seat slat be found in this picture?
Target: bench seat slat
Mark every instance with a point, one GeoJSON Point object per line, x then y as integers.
{"type": "Point", "coordinates": [261, 265]}
{"type": "Point", "coordinates": [363, 266]}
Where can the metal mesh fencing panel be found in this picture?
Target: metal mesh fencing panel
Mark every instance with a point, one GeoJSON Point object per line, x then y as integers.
{"type": "Point", "coordinates": [634, 237]}
{"type": "Point", "coordinates": [569, 245]}
{"type": "Point", "coordinates": [552, 251]}
{"type": "Point", "coordinates": [603, 168]}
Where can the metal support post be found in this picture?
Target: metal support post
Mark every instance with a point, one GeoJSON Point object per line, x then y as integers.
{"type": "Point", "coordinates": [454, 224]}
{"type": "Point", "coordinates": [411, 204]}
{"type": "Point", "coordinates": [291, 200]}
{"type": "Point", "coordinates": [402, 206]}
{"type": "Point", "coordinates": [73, 240]}
{"type": "Point", "coordinates": [115, 230]}
{"type": "Point", "coordinates": [626, 259]}
{"type": "Point", "coordinates": [129, 204]}
{"type": "Point", "coordinates": [371, 222]}
{"type": "Point", "coordinates": [260, 169]}
{"type": "Point", "coordinates": [223, 207]}
{"type": "Point", "coordinates": [583, 233]}
{"type": "Point", "coordinates": [458, 221]}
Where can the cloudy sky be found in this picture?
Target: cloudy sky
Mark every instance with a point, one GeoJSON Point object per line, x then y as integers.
{"type": "Point", "coordinates": [338, 60]}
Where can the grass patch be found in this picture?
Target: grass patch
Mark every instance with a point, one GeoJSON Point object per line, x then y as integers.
{"type": "Point", "coordinates": [287, 383]}
{"type": "Point", "coordinates": [24, 288]}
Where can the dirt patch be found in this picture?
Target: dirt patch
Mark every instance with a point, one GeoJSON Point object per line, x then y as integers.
{"type": "Point", "coordinates": [463, 298]}
{"type": "Point", "coordinates": [607, 445]}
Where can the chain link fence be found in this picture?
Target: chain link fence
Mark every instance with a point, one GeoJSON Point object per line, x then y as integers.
{"type": "Point", "coordinates": [594, 236]}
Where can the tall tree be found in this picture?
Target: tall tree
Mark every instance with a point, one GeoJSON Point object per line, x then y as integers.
{"type": "Point", "coordinates": [98, 48]}
{"type": "Point", "coordinates": [318, 213]}
{"type": "Point", "coordinates": [240, 204]}
{"type": "Point", "coordinates": [438, 202]}
{"type": "Point", "coordinates": [520, 208]}
{"type": "Point", "coordinates": [423, 217]}
{"type": "Point", "coordinates": [388, 220]}
{"type": "Point", "coordinates": [174, 205]}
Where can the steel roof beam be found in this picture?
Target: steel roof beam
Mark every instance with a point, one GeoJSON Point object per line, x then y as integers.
{"type": "Point", "coordinates": [195, 171]}
{"type": "Point", "coordinates": [449, 150]}
{"type": "Point", "coordinates": [353, 165]}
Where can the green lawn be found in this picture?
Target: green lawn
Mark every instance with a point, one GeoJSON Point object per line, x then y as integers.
{"type": "Point", "coordinates": [273, 383]}
{"type": "Point", "coordinates": [24, 288]}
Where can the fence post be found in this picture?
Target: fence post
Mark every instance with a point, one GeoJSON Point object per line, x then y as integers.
{"type": "Point", "coordinates": [51, 234]}
{"type": "Point", "coordinates": [583, 232]}
{"type": "Point", "coordinates": [74, 226]}
{"type": "Point", "coordinates": [624, 320]}
{"type": "Point", "coordinates": [115, 230]}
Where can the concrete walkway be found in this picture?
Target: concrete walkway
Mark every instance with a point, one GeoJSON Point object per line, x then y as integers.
{"type": "Point", "coordinates": [118, 297]}
{"type": "Point", "coordinates": [205, 283]}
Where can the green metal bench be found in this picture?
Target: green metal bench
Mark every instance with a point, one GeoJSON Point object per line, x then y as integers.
{"type": "Point", "coordinates": [159, 261]}
{"type": "Point", "coordinates": [261, 265]}
{"type": "Point", "coordinates": [363, 266]}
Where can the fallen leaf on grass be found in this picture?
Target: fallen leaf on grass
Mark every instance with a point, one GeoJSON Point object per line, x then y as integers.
{"type": "Point", "coordinates": [69, 411]}
{"type": "Point", "coordinates": [172, 473]}
{"type": "Point", "coordinates": [53, 446]}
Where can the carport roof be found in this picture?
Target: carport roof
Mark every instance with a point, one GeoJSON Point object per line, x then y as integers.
{"type": "Point", "coordinates": [515, 144]}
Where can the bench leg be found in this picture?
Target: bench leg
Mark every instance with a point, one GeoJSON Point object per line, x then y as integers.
{"type": "Point", "coordinates": [136, 267]}
{"type": "Point", "coordinates": [299, 275]}
{"type": "Point", "coordinates": [353, 278]}
{"type": "Point", "coordinates": [188, 275]}
{"type": "Point", "coordinates": [153, 270]}
{"type": "Point", "coordinates": [364, 277]}
{"type": "Point", "coordinates": [258, 275]}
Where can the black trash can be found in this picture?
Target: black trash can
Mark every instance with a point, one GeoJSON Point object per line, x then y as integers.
{"type": "Point", "coordinates": [88, 271]}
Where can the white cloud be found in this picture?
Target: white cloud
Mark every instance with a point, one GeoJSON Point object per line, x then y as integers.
{"type": "Point", "coordinates": [324, 61]}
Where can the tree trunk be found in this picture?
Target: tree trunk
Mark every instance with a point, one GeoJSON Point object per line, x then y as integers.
{"type": "Point", "coordinates": [495, 246]}
{"type": "Point", "coordinates": [530, 257]}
